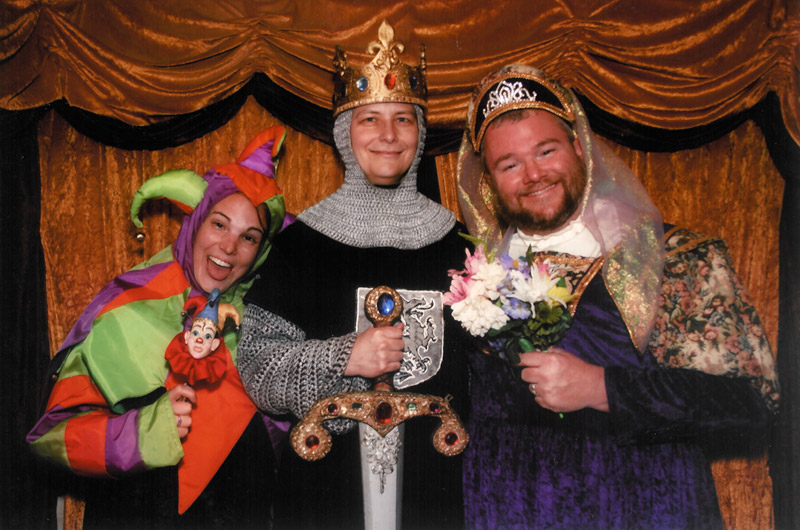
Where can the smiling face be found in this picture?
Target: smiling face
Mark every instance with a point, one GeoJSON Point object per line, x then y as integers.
{"type": "Point", "coordinates": [201, 339]}
{"type": "Point", "coordinates": [226, 243]}
{"type": "Point", "coordinates": [536, 170]}
{"type": "Point", "coordinates": [384, 137]}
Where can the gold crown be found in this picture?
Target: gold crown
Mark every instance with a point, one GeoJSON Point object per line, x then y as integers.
{"type": "Point", "coordinates": [383, 80]}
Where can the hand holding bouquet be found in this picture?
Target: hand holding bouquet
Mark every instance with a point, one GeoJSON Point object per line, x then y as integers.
{"type": "Point", "coordinates": [517, 304]}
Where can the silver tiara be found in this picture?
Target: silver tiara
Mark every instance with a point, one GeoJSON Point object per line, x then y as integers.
{"type": "Point", "coordinates": [506, 93]}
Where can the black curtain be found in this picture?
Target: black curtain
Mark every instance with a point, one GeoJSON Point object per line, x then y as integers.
{"type": "Point", "coordinates": [29, 487]}
{"type": "Point", "coordinates": [785, 446]}
{"type": "Point", "coordinates": [26, 498]}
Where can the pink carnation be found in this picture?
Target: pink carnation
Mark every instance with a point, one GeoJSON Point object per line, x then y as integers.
{"type": "Point", "coordinates": [459, 289]}
{"type": "Point", "coordinates": [462, 280]}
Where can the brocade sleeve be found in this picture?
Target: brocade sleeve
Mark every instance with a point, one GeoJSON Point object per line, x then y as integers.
{"type": "Point", "coordinates": [715, 371]}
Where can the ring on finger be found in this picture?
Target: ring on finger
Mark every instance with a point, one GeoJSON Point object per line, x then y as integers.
{"type": "Point", "coordinates": [532, 388]}
{"type": "Point", "coordinates": [179, 421]}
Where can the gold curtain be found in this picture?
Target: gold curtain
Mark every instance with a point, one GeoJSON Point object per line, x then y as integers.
{"type": "Point", "coordinates": [660, 63]}
{"type": "Point", "coordinates": [729, 188]}
{"type": "Point", "coordinates": [86, 232]}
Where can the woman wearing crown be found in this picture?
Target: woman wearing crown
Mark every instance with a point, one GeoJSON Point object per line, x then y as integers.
{"type": "Point", "coordinates": [299, 344]}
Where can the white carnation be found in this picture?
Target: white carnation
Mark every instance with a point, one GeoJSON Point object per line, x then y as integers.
{"type": "Point", "coordinates": [478, 315]}
{"type": "Point", "coordinates": [491, 275]}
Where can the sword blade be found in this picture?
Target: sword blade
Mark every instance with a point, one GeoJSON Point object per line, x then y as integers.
{"type": "Point", "coordinates": [382, 477]}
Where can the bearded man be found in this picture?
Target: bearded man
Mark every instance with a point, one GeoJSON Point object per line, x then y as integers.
{"type": "Point", "coordinates": [604, 429]}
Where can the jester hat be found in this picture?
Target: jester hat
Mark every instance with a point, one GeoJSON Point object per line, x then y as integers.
{"type": "Point", "coordinates": [211, 309]}
{"type": "Point", "coordinates": [252, 174]}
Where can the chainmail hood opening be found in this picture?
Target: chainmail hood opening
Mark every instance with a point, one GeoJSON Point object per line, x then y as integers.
{"type": "Point", "coordinates": [362, 215]}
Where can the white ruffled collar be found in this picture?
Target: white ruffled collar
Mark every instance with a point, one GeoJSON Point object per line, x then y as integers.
{"type": "Point", "coordinates": [575, 238]}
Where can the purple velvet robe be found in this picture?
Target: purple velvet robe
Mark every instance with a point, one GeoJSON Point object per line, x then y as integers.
{"type": "Point", "coordinates": [640, 466]}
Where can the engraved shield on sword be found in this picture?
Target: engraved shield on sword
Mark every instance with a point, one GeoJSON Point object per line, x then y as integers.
{"type": "Point", "coordinates": [423, 335]}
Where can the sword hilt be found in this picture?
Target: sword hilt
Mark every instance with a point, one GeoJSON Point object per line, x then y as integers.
{"type": "Point", "coordinates": [383, 411]}
{"type": "Point", "coordinates": [382, 408]}
{"type": "Point", "coordinates": [383, 307]}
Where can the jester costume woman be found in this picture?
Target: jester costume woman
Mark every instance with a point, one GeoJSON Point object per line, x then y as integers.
{"type": "Point", "coordinates": [109, 414]}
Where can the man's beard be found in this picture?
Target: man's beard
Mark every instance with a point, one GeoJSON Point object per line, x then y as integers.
{"type": "Point", "coordinates": [532, 223]}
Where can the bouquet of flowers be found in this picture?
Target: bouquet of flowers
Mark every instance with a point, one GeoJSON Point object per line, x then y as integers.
{"type": "Point", "coordinates": [517, 304]}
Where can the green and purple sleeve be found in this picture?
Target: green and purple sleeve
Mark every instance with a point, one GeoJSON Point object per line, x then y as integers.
{"type": "Point", "coordinates": [79, 431]}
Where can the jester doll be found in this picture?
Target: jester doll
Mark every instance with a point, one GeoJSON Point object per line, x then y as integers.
{"type": "Point", "coordinates": [198, 355]}
{"type": "Point", "coordinates": [159, 451]}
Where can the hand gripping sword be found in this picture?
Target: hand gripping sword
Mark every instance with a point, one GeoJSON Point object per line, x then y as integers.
{"type": "Point", "coordinates": [381, 413]}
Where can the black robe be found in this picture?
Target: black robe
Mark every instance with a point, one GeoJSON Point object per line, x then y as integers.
{"type": "Point", "coordinates": [311, 280]}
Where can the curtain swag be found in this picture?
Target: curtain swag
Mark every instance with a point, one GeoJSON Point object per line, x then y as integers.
{"type": "Point", "coordinates": [660, 64]}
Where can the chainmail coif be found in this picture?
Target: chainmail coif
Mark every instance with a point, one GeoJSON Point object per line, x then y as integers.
{"type": "Point", "coordinates": [365, 216]}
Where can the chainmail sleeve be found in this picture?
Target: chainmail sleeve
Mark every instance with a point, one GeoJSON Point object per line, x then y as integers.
{"type": "Point", "coordinates": [283, 372]}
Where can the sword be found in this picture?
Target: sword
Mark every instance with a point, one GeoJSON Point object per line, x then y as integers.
{"type": "Point", "coordinates": [382, 411]}
{"type": "Point", "coordinates": [382, 455]}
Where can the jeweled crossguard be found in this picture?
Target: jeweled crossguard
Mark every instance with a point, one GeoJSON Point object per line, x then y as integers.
{"type": "Point", "coordinates": [382, 411]}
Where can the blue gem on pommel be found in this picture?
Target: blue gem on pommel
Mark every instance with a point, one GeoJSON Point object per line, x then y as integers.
{"type": "Point", "coordinates": [383, 306]}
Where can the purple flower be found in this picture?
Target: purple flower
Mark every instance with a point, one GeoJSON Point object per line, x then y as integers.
{"type": "Point", "coordinates": [497, 344]}
{"type": "Point", "coordinates": [511, 264]}
{"type": "Point", "coordinates": [516, 309]}
{"type": "Point", "coordinates": [506, 287]}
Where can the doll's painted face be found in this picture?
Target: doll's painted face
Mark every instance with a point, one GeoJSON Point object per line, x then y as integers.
{"type": "Point", "coordinates": [200, 339]}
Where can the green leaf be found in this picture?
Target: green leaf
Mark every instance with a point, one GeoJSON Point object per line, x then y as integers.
{"type": "Point", "coordinates": [509, 326]}
{"type": "Point", "coordinates": [512, 352]}
{"type": "Point", "coordinates": [530, 257]}
{"type": "Point", "coordinates": [474, 240]}
{"type": "Point", "coordinates": [480, 241]}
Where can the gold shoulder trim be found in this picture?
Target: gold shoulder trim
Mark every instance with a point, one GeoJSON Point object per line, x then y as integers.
{"type": "Point", "coordinates": [595, 267]}
{"type": "Point", "coordinates": [577, 270]}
